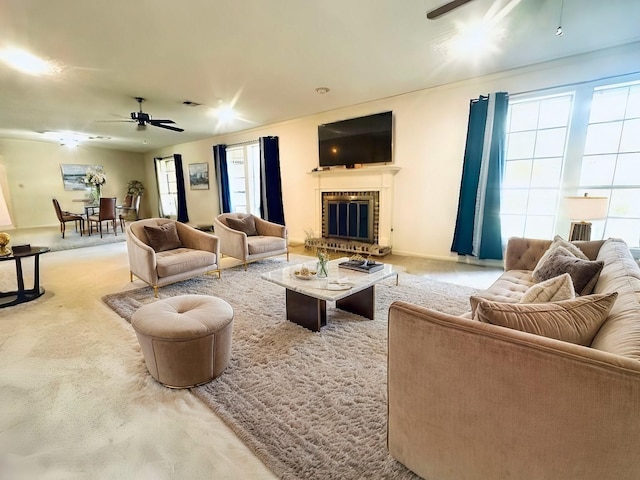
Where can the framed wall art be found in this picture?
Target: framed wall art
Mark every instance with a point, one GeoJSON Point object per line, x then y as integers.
{"type": "Point", "coordinates": [199, 176]}
{"type": "Point", "coordinates": [73, 175]}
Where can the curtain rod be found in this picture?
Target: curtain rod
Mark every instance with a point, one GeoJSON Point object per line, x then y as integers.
{"type": "Point", "coordinates": [575, 84]}
{"type": "Point", "coordinates": [241, 144]}
{"type": "Point", "coordinates": [163, 158]}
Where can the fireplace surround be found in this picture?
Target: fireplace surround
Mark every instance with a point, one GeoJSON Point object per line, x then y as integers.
{"type": "Point", "coordinates": [359, 197]}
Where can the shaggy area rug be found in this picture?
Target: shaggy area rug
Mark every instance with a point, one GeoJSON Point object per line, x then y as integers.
{"type": "Point", "coordinates": [310, 405]}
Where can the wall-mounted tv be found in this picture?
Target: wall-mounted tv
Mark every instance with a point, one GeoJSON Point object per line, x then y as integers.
{"type": "Point", "coordinates": [357, 140]}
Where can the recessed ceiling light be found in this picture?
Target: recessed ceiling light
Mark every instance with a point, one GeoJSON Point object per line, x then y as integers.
{"type": "Point", "coordinates": [323, 90]}
{"type": "Point", "coordinates": [26, 62]}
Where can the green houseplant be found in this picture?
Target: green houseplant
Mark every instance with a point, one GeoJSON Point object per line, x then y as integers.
{"type": "Point", "coordinates": [135, 187]}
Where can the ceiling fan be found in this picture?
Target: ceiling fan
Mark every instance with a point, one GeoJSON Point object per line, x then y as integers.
{"type": "Point", "coordinates": [143, 119]}
{"type": "Point", "coordinates": [446, 8]}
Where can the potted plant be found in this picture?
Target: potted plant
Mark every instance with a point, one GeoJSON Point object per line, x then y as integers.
{"type": "Point", "coordinates": [135, 187]}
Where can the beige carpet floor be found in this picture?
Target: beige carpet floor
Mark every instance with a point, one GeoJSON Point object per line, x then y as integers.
{"type": "Point", "coordinates": [75, 396]}
{"type": "Point", "coordinates": [76, 399]}
{"type": "Point", "coordinates": [310, 405]}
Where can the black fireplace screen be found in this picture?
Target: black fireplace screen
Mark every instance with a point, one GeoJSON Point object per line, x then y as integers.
{"type": "Point", "coordinates": [349, 217]}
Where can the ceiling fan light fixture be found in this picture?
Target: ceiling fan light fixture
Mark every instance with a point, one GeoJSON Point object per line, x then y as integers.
{"type": "Point", "coordinates": [67, 138]}
{"type": "Point", "coordinates": [141, 127]}
{"type": "Point", "coordinates": [26, 62]}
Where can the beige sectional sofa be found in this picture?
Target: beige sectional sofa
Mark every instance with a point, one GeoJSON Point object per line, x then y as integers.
{"type": "Point", "coordinates": [475, 401]}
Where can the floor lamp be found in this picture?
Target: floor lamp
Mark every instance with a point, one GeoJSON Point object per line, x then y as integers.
{"type": "Point", "coordinates": [582, 209]}
{"type": "Point", "coordinates": [5, 220]}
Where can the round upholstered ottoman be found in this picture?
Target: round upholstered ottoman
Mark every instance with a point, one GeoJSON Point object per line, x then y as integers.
{"type": "Point", "coordinates": [185, 340]}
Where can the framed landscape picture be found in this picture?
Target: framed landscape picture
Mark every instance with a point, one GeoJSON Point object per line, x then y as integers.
{"type": "Point", "coordinates": [199, 176]}
{"type": "Point", "coordinates": [73, 175]}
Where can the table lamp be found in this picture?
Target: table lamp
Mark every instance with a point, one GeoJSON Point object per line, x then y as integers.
{"type": "Point", "coordinates": [582, 209]}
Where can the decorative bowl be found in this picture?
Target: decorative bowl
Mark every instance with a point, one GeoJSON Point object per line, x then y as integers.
{"type": "Point", "coordinates": [304, 273]}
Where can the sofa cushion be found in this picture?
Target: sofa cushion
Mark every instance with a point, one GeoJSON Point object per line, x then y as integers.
{"type": "Point", "coordinates": [163, 237]}
{"type": "Point", "coordinates": [551, 290]}
{"type": "Point", "coordinates": [584, 273]}
{"type": "Point", "coordinates": [245, 224]}
{"type": "Point", "coordinates": [181, 260]}
{"type": "Point", "coordinates": [509, 288]}
{"type": "Point", "coordinates": [576, 321]}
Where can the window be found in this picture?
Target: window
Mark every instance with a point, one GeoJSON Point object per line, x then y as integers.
{"type": "Point", "coordinates": [583, 140]}
{"type": "Point", "coordinates": [536, 144]}
{"type": "Point", "coordinates": [167, 186]}
{"type": "Point", "coordinates": [611, 162]}
{"type": "Point", "coordinates": [243, 166]}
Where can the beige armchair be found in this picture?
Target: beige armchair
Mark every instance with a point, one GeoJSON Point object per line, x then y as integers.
{"type": "Point", "coordinates": [168, 251]}
{"type": "Point", "coordinates": [249, 238]}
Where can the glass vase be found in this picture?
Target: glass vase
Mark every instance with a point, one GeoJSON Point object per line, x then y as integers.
{"type": "Point", "coordinates": [321, 270]}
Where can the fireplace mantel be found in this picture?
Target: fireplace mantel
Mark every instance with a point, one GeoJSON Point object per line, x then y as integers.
{"type": "Point", "coordinates": [392, 169]}
{"type": "Point", "coordinates": [372, 178]}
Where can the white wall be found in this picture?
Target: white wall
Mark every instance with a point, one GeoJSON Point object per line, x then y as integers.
{"type": "Point", "coordinates": [34, 178]}
{"type": "Point", "coordinates": [430, 132]}
{"type": "Point", "coordinates": [202, 205]}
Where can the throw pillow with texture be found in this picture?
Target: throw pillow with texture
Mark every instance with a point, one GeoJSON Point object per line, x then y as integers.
{"type": "Point", "coordinates": [575, 321]}
{"type": "Point", "coordinates": [245, 224]}
{"type": "Point", "coordinates": [558, 241]}
{"type": "Point", "coordinates": [584, 273]}
{"type": "Point", "coordinates": [163, 237]}
{"type": "Point", "coordinates": [552, 290]}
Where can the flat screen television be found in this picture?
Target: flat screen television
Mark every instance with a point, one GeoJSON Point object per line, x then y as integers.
{"type": "Point", "coordinates": [357, 140]}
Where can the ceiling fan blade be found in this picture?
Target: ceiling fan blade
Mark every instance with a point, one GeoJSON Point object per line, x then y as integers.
{"type": "Point", "coordinates": [168, 127]}
{"type": "Point", "coordinates": [446, 8]}
{"type": "Point", "coordinates": [161, 121]}
{"type": "Point", "coordinates": [114, 121]}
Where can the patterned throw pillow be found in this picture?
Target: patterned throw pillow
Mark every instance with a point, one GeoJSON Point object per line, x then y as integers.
{"type": "Point", "coordinates": [575, 321]}
{"type": "Point", "coordinates": [584, 273]}
{"type": "Point", "coordinates": [552, 290]}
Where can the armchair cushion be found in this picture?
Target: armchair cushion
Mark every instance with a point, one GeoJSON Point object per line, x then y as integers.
{"type": "Point", "coordinates": [245, 224]}
{"type": "Point", "coordinates": [576, 321]}
{"type": "Point", "coordinates": [179, 260]}
{"type": "Point", "coordinates": [163, 237]}
{"type": "Point", "coordinates": [260, 245]}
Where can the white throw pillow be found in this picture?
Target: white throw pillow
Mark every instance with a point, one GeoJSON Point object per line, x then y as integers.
{"type": "Point", "coordinates": [552, 290]}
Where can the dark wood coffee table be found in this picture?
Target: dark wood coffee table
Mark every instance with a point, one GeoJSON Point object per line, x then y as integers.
{"type": "Point", "coordinates": [351, 291]}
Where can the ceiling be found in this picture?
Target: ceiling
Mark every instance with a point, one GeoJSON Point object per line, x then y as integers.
{"type": "Point", "coordinates": [265, 56]}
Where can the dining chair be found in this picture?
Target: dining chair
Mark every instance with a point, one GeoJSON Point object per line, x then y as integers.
{"type": "Point", "coordinates": [130, 209]}
{"type": "Point", "coordinates": [106, 213]}
{"type": "Point", "coordinates": [64, 217]}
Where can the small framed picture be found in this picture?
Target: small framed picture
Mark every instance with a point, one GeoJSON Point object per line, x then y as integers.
{"type": "Point", "coordinates": [199, 176]}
